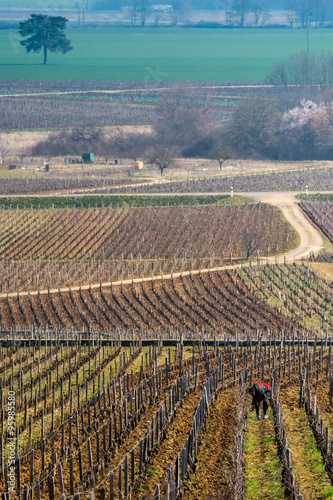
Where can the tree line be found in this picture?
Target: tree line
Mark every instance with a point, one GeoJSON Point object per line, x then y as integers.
{"type": "Point", "coordinates": [237, 12]}
{"type": "Point", "coordinates": [292, 127]}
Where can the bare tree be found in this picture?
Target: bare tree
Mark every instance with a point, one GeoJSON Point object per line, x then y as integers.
{"type": "Point", "coordinates": [4, 150]}
{"type": "Point", "coordinates": [320, 11]}
{"type": "Point", "coordinates": [162, 158]}
{"type": "Point", "coordinates": [290, 6]}
{"type": "Point", "coordinates": [240, 9]}
{"type": "Point", "coordinates": [88, 135]}
{"type": "Point", "coordinates": [250, 244]}
{"type": "Point", "coordinates": [157, 16]}
{"type": "Point", "coordinates": [220, 154]}
{"type": "Point", "coordinates": [23, 153]}
{"type": "Point", "coordinates": [252, 126]}
{"type": "Point", "coordinates": [303, 9]}
{"type": "Point", "coordinates": [181, 124]}
{"type": "Point", "coordinates": [133, 9]}
{"type": "Point", "coordinates": [103, 151]}
{"type": "Point", "coordinates": [180, 10]}
{"type": "Point", "coordinates": [260, 12]}
{"type": "Point", "coordinates": [144, 9]}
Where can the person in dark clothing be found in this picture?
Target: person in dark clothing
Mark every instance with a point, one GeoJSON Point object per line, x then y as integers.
{"type": "Point", "coordinates": [260, 393]}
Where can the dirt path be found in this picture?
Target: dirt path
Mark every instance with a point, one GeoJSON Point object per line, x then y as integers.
{"type": "Point", "coordinates": [144, 89]}
{"type": "Point", "coordinates": [311, 241]}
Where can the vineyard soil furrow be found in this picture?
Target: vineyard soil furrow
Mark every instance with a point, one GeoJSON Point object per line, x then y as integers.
{"type": "Point", "coordinates": [212, 468]}
{"type": "Point", "coordinates": [174, 440]}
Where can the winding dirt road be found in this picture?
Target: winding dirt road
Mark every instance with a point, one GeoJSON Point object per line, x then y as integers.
{"type": "Point", "coordinates": [311, 241]}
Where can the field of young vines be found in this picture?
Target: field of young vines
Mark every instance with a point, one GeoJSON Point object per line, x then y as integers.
{"type": "Point", "coordinates": [321, 213]}
{"type": "Point", "coordinates": [60, 183]}
{"type": "Point", "coordinates": [49, 248]}
{"type": "Point", "coordinates": [194, 304]}
{"type": "Point", "coordinates": [126, 354]}
{"type": "Point", "coordinates": [109, 421]}
{"type": "Point", "coordinates": [320, 179]}
{"type": "Point", "coordinates": [294, 290]}
{"type": "Point", "coordinates": [66, 104]}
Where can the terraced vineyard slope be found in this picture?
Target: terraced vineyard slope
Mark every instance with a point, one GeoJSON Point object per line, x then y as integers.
{"type": "Point", "coordinates": [42, 248]}
{"type": "Point", "coordinates": [210, 303]}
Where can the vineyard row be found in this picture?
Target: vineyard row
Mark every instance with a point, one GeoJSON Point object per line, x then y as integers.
{"type": "Point", "coordinates": [144, 233]}
{"type": "Point", "coordinates": [206, 302]}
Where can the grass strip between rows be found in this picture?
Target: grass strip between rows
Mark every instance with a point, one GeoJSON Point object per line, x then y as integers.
{"type": "Point", "coordinates": [307, 460]}
{"type": "Point", "coordinates": [262, 466]}
{"type": "Point", "coordinates": [116, 201]}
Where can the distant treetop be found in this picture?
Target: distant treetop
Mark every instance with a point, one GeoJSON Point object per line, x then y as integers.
{"type": "Point", "coordinates": [315, 68]}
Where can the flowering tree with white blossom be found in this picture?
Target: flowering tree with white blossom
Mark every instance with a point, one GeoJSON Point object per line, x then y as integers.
{"type": "Point", "coordinates": [309, 124]}
{"type": "Point", "coordinates": [303, 115]}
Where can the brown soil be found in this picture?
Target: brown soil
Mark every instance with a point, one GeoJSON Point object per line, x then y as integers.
{"type": "Point", "coordinates": [323, 402]}
{"type": "Point", "coordinates": [129, 440]}
{"type": "Point", "coordinates": [214, 459]}
{"type": "Point", "coordinates": [173, 443]}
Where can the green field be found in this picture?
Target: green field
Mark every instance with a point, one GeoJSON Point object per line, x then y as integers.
{"type": "Point", "coordinates": [231, 55]}
{"type": "Point", "coordinates": [28, 4]}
